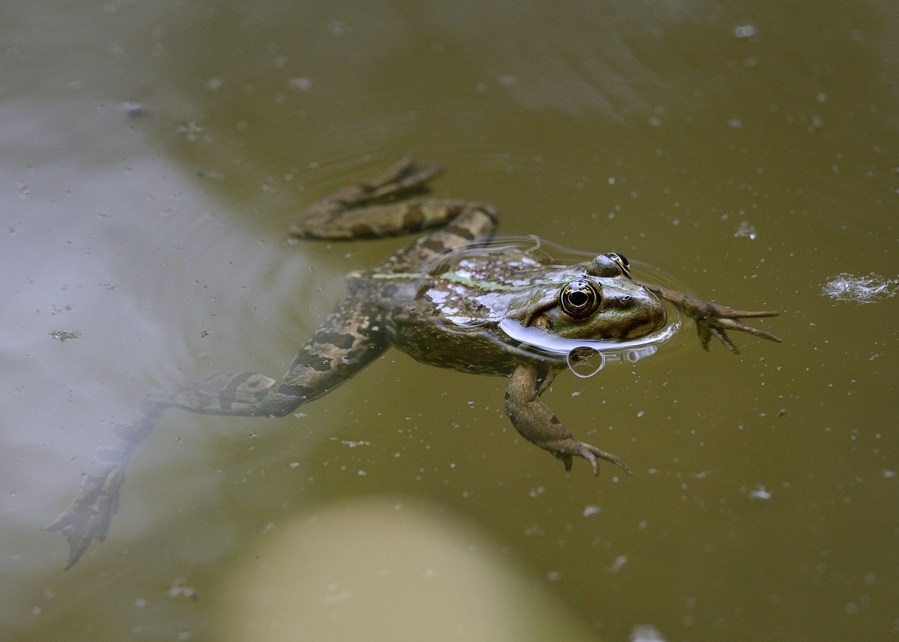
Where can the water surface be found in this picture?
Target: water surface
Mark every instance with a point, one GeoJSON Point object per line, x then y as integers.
{"type": "Point", "coordinates": [154, 154]}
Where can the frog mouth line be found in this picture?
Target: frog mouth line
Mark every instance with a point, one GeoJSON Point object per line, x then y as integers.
{"type": "Point", "coordinates": [577, 351]}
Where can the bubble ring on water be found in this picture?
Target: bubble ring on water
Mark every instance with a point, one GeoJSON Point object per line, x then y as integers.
{"type": "Point", "coordinates": [583, 355]}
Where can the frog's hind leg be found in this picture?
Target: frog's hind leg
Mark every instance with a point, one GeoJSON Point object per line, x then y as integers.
{"type": "Point", "coordinates": [366, 209]}
{"type": "Point", "coordinates": [341, 346]}
{"type": "Point", "coordinates": [334, 352]}
{"type": "Point", "coordinates": [469, 224]}
{"type": "Point", "coordinates": [375, 207]}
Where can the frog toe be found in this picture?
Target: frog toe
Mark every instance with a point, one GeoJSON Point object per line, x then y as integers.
{"type": "Point", "coordinates": [89, 514]}
{"type": "Point", "coordinates": [566, 459]}
{"type": "Point", "coordinates": [79, 526]}
{"type": "Point", "coordinates": [592, 454]}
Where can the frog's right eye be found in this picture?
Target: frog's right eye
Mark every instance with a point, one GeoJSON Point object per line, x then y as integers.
{"type": "Point", "coordinates": [579, 298]}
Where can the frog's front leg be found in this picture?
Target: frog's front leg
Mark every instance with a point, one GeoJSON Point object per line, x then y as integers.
{"type": "Point", "coordinates": [713, 319]}
{"type": "Point", "coordinates": [537, 423]}
{"type": "Point", "coordinates": [339, 348]}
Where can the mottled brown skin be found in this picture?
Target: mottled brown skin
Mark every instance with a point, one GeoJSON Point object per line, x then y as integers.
{"type": "Point", "coordinates": [439, 299]}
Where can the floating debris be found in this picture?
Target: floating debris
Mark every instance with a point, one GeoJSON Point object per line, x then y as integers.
{"type": "Point", "coordinates": [180, 589]}
{"type": "Point", "coordinates": [192, 131]}
{"type": "Point", "coordinates": [618, 564]}
{"type": "Point", "coordinates": [746, 230]}
{"type": "Point", "coordinates": [646, 633]}
{"type": "Point", "coordinates": [860, 289]}
{"type": "Point", "coordinates": [64, 335]}
{"type": "Point", "coordinates": [300, 84]}
{"type": "Point", "coordinates": [133, 110]}
{"type": "Point", "coordinates": [760, 492]}
{"type": "Point", "coordinates": [745, 31]}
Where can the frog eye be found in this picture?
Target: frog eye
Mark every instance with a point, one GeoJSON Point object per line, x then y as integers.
{"type": "Point", "coordinates": [609, 265]}
{"type": "Point", "coordinates": [579, 298]}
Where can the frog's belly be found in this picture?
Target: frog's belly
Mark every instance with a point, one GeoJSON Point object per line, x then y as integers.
{"type": "Point", "coordinates": [469, 350]}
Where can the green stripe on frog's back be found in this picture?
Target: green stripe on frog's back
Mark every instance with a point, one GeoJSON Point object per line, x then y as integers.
{"type": "Point", "coordinates": [495, 286]}
{"type": "Point", "coordinates": [452, 277]}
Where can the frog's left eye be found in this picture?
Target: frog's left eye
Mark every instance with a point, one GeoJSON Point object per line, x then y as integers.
{"type": "Point", "coordinates": [579, 298]}
{"type": "Point", "coordinates": [609, 265]}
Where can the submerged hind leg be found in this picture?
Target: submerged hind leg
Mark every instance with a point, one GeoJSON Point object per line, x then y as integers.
{"type": "Point", "coordinates": [334, 352]}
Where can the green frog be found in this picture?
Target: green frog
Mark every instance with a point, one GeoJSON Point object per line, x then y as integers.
{"type": "Point", "coordinates": [448, 299]}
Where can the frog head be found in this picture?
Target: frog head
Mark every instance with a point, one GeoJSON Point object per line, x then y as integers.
{"type": "Point", "coordinates": [599, 301]}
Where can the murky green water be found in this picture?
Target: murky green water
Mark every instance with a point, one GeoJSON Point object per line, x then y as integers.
{"type": "Point", "coordinates": [154, 154]}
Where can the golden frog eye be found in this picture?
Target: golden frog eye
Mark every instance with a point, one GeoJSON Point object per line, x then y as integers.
{"type": "Point", "coordinates": [579, 298]}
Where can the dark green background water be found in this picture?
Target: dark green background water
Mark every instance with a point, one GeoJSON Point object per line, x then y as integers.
{"type": "Point", "coordinates": [153, 155]}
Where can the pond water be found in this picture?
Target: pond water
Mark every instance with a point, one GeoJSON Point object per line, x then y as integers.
{"type": "Point", "coordinates": [154, 154]}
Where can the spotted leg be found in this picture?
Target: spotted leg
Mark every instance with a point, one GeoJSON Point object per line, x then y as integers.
{"type": "Point", "coordinates": [333, 353]}
{"type": "Point", "coordinates": [373, 208]}
{"type": "Point", "coordinates": [537, 423]}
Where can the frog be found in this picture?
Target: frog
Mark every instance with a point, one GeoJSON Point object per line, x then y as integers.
{"type": "Point", "coordinates": [443, 299]}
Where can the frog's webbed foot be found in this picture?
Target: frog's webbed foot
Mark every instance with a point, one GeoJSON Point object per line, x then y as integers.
{"type": "Point", "coordinates": [713, 320]}
{"type": "Point", "coordinates": [88, 515]}
{"type": "Point", "coordinates": [724, 318]}
{"type": "Point", "coordinates": [369, 208]}
{"type": "Point", "coordinates": [536, 423]}
{"type": "Point", "coordinates": [403, 178]}
{"type": "Point", "coordinates": [571, 447]}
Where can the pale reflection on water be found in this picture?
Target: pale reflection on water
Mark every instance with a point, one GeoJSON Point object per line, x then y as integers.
{"type": "Point", "coordinates": [155, 153]}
